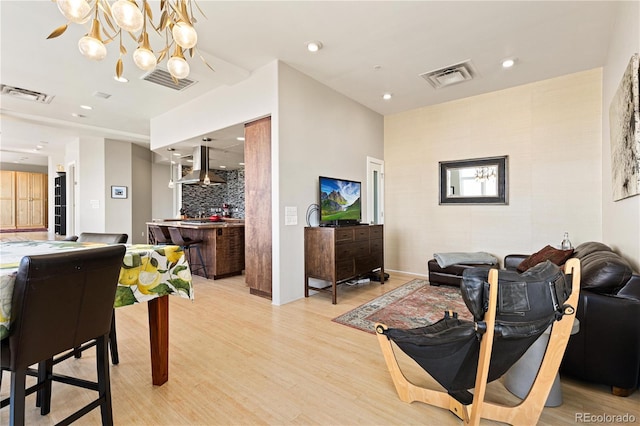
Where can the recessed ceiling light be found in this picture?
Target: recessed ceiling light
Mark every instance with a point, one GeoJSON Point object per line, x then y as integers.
{"type": "Point", "coordinates": [240, 138]}
{"type": "Point", "coordinates": [386, 96]}
{"type": "Point", "coordinates": [76, 115]}
{"type": "Point", "coordinates": [88, 107]}
{"type": "Point", "coordinates": [223, 167]}
{"type": "Point", "coordinates": [508, 63]}
{"type": "Point", "coordinates": [242, 164]}
{"type": "Point", "coordinates": [120, 79]}
{"type": "Point", "coordinates": [177, 154]}
{"type": "Point", "coordinates": [314, 46]}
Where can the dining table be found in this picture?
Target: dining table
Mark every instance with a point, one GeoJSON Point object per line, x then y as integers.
{"type": "Point", "coordinates": [149, 273]}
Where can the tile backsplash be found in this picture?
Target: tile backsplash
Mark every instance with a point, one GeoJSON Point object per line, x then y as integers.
{"type": "Point", "coordinates": [202, 198]}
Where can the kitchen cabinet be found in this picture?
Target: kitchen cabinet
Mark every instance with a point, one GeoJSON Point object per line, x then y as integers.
{"type": "Point", "coordinates": [23, 200]}
{"type": "Point", "coordinates": [31, 200]}
{"type": "Point", "coordinates": [7, 199]}
{"type": "Point", "coordinates": [223, 245]}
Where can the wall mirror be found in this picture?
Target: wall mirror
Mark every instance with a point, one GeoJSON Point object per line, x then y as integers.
{"type": "Point", "coordinates": [474, 181]}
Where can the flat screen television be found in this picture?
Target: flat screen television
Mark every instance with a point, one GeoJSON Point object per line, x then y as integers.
{"type": "Point", "coordinates": [339, 202]}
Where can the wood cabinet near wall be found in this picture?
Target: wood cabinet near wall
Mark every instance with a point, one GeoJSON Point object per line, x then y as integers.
{"type": "Point", "coordinates": [23, 200]}
{"type": "Point", "coordinates": [258, 246]}
{"type": "Point", "coordinates": [338, 254]}
{"type": "Point", "coordinates": [31, 200]}
{"type": "Point", "coordinates": [7, 199]}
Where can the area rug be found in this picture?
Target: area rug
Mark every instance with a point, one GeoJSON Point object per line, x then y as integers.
{"type": "Point", "coordinates": [414, 304]}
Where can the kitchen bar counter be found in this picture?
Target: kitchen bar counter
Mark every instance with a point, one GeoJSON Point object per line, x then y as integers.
{"type": "Point", "coordinates": [223, 243]}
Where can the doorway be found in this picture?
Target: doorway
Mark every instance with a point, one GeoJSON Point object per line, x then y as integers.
{"type": "Point", "coordinates": [375, 191]}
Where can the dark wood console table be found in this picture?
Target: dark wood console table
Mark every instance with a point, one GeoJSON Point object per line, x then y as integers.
{"type": "Point", "coordinates": [341, 253]}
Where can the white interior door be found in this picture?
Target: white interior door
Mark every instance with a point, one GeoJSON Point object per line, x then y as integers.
{"type": "Point", "coordinates": [375, 191]}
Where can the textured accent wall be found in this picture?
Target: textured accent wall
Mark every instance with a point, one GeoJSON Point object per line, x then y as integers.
{"type": "Point", "coordinates": [551, 131]}
{"type": "Point", "coordinates": [203, 198]}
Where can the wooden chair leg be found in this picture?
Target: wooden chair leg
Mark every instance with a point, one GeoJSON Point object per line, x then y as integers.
{"type": "Point", "coordinates": [409, 392]}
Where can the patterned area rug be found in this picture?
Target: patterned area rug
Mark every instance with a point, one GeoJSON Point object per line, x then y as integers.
{"type": "Point", "coordinates": [414, 304]}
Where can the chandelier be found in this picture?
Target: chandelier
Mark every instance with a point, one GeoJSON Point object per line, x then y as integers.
{"type": "Point", "coordinates": [484, 174]}
{"type": "Point", "coordinates": [109, 19]}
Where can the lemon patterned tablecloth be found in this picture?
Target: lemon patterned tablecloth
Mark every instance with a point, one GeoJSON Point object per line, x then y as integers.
{"type": "Point", "coordinates": [147, 272]}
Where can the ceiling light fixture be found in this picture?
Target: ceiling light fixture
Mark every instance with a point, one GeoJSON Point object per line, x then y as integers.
{"type": "Point", "coordinates": [386, 96]}
{"type": "Point", "coordinates": [171, 184]}
{"type": "Point", "coordinates": [508, 63]}
{"type": "Point", "coordinates": [314, 46]}
{"type": "Point", "coordinates": [87, 107]}
{"type": "Point", "coordinates": [112, 18]}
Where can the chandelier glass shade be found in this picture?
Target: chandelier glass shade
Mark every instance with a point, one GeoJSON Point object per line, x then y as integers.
{"type": "Point", "coordinates": [134, 17]}
{"type": "Point", "coordinates": [76, 11]}
{"type": "Point", "coordinates": [127, 15]}
{"type": "Point", "coordinates": [90, 45]}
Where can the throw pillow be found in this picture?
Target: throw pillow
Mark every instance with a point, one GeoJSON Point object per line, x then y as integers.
{"type": "Point", "coordinates": [555, 255]}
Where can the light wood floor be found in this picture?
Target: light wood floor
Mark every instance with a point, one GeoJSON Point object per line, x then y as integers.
{"type": "Point", "coordinates": [235, 359]}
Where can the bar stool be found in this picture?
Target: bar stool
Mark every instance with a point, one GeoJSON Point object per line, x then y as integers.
{"type": "Point", "coordinates": [187, 244]}
{"type": "Point", "coordinates": [159, 236]}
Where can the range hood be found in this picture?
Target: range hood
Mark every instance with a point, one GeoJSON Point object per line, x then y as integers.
{"type": "Point", "coordinates": [201, 168]}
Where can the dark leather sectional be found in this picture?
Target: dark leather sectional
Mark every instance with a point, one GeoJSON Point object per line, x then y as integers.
{"type": "Point", "coordinates": [606, 349]}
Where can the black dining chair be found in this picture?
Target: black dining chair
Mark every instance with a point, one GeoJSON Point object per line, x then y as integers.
{"type": "Point", "coordinates": [187, 244]}
{"type": "Point", "coordinates": [60, 301]}
{"type": "Point", "coordinates": [106, 238]}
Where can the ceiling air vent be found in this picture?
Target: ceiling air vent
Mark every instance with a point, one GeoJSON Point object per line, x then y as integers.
{"type": "Point", "coordinates": [450, 75]}
{"type": "Point", "coordinates": [163, 78]}
{"type": "Point", "coordinates": [24, 94]}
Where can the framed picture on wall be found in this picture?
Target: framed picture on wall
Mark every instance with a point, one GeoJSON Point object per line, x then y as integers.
{"type": "Point", "coordinates": [624, 120]}
{"type": "Point", "coordinates": [118, 192]}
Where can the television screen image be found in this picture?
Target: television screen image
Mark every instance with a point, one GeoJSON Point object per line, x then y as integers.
{"type": "Point", "coordinates": [339, 201]}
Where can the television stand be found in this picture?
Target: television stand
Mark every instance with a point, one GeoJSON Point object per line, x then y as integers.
{"type": "Point", "coordinates": [336, 254]}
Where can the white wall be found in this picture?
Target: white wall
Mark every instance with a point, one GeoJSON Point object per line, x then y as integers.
{"type": "Point", "coordinates": [551, 131]}
{"type": "Point", "coordinates": [252, 98]}
{"type": "Point", "coordinates": [118, 211]}
{"type": "Point", "coordinates": [621, 219]}
{"type": "Point", "coordinates": [321, 132]}
{"type": "Point", "coordinates": [162, 201]}
{"type": "Point", "coordinates": [315, 131]}
{"type": "Point", "coordinates": [91, 166]}
{"type": "Point", "coordinates": [141, 184]}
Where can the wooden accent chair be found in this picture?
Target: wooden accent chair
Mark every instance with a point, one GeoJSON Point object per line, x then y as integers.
{"type": "Point", "coordinates": [60, 301]}
{"type": "Point", "coordinates": [489, 328]}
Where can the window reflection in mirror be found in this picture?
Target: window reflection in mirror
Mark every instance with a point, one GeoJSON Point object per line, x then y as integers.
{"type": "Point", "coordinates": [474, 181]}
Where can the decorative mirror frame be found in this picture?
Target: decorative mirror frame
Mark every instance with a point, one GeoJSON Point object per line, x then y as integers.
{"type": "Point", "coordinates": [501, 180]}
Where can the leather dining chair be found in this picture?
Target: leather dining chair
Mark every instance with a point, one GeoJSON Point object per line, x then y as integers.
{"type": "Point", "coordinates": [159, 236]}
{"type": "Point", "coordinates": [106, 238]}
{"type": "Point", "coordinates": [60, 301]}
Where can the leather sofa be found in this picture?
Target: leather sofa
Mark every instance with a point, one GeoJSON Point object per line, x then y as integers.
{"type": "Point", "coordinates": [606, 349]}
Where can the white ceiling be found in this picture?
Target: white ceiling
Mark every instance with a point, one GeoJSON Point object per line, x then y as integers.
{"type": "Point", "coordinates": [370, 47]}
